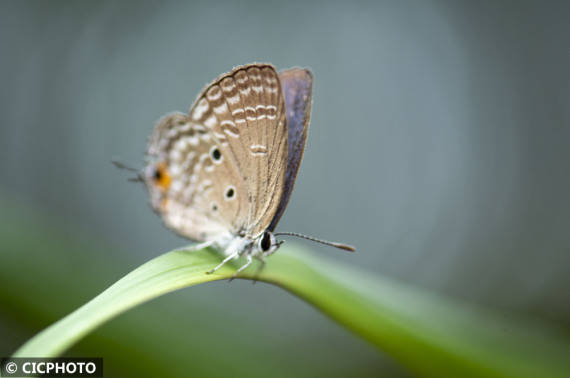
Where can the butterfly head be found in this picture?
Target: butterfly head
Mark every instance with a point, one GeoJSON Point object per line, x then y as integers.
{"type": "Point", "coordinates": [266, 244]}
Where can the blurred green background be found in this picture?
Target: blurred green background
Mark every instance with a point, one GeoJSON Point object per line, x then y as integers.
{"type": "Point", "coordinates": [438, 146]}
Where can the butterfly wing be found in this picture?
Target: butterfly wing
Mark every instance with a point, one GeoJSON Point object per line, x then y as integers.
{"type": "Point", "coordinates": [222, 167]}
{"type": "Point", "coordinates": [297, 86]}
{"type": "Point", "coordinates": [188, 180]}
{"type": "Point", "coordinates": [245, 111]}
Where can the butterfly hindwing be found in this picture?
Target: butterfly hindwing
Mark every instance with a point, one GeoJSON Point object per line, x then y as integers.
{"type": "Point", "coordinates": [190, 179]}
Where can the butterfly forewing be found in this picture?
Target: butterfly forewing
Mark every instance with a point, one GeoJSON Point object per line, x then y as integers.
{"type": "Point", "coordinates": [227, 159]}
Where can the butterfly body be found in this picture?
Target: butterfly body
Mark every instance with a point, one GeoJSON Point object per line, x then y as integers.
{"type": "Point", "coordinates": [223, 173]}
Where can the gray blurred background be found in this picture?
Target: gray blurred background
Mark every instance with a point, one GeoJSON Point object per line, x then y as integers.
{"type": "Point", "coordinates": [439, 143]}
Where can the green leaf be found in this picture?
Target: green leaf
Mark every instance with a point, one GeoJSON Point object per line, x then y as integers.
{"type": "Point", "coordinates": [431, 335]}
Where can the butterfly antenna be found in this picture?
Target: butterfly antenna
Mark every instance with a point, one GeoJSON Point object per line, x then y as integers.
{"type": "Point", "coordinates": [120, 165]}
{"type": "Point", "coordinates": [344, 247]}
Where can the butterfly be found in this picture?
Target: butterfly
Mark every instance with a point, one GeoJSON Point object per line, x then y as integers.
{"type": "Point", "coordinates": [223, 174]}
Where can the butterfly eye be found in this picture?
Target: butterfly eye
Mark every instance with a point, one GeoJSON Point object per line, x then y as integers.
{"type": "Point", "coordinates": [265, 242]}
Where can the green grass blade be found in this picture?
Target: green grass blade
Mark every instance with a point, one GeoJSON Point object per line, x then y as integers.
{"type": "Point", "coordinates": [430, 335]}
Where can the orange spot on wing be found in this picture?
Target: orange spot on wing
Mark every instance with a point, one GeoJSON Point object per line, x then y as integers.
{"type": "Point", "coordinates": [163, 179]}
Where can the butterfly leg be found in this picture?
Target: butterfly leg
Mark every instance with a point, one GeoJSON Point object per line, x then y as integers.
{"type": "Point", "coordinates": [259, 268]}
{"type": "Point", "coordinates": [248, 263]}
{"type": "Point", "coordinates": [230, 257]}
